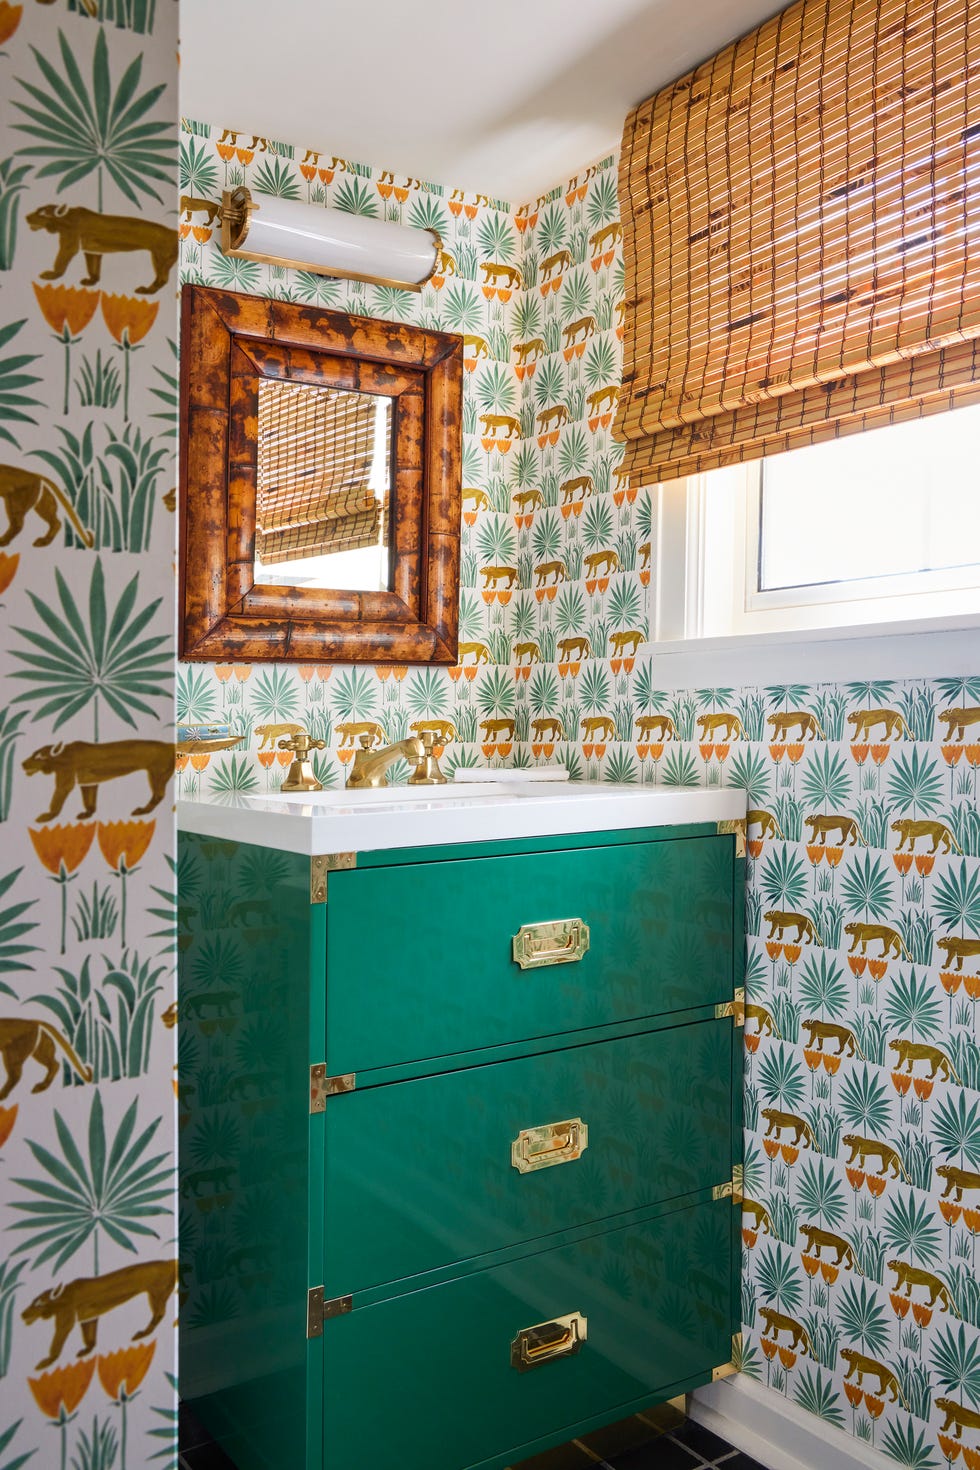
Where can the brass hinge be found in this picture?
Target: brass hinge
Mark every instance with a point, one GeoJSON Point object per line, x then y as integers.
{"type": "Point", "coordinates": [734, 1007]}
{"type": "Point", "coordinates": [734, 825]}
{"type": "Point", "coordinates": [732, 1188]}
{"type": "Point", "coordinates": [322, 1086]}
{"type": "Point", "coordinates": [319, 1311]}
{"type": "Point", "coordinates": [333, 862]}
{"type": "Point", "coordinates": [725, 1370]}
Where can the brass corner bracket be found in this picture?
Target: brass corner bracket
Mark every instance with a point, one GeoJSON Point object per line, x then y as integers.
{"type": "Point", "coordinates": [322, 1086]}
{"type": "Point", "coordinates": [736, 826]}
{"type": "Point", "coordinates": [321, 867]}
{"type": "Point", "coordinates": [319, 1311]}
{"type": "Point", "coordinates": [732, 1189]}
{"type": "Point", "coordinates": [734, 1007]}
{"type": "Point", "coordinates": [726, 1370]}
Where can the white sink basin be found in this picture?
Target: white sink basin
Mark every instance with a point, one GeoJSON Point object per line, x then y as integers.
{"type": "Point", "coordinates": [372, 795]}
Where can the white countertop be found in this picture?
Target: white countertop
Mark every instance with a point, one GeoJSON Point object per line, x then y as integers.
{"type": "Point", "coordinates": [364, 821]}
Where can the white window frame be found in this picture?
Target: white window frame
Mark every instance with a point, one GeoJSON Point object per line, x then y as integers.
{"type": "Point", "coordinates": [706, 575]}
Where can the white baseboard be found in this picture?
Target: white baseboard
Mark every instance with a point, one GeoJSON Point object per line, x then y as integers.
{"type": "Point", "coordinates": [777, 1432]}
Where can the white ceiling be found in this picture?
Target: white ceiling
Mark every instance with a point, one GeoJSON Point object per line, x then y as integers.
{"type": "Point", "coordinates": [502, 97]}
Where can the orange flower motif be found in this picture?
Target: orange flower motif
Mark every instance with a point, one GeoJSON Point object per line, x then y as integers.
{"type": "Point", "coordinates": [854, 1394]}
{"type": "Point", "coordinates": [130, 316]}
{"type": "Point", "coordinates": [125, 1370]}
{"type": "Point", "coordinates": [8, 1117]}
{"type": "Point", "coordinates": [222, 672]}
{"type": "Point", "coordinates": [66, 844]}
{"type": "Point", "coordinates": [950, 1447]}
{"type": "Point", "coordinates": [127, 841]}
{"type": "Point", "coordinates": [8, 564]}
{"type": "Point", "coordinates": [873, 1405]}
{"type": "Point", "coordinates": [62, 1390]}
{"type": "Point", "coordinates": [9, 20]}
{"type": "Point", "coordinates": [67, 309]}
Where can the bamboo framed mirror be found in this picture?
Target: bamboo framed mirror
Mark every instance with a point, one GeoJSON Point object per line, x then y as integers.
{"type": "Point", "coordinates": [320, 464]}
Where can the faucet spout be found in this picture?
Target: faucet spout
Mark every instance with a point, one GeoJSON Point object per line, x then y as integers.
{"type": "Point", "coordinates": [370, 767]}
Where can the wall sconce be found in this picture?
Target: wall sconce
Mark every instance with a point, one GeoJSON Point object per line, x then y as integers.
{"type": "Point", "coordinates": [328, 241]}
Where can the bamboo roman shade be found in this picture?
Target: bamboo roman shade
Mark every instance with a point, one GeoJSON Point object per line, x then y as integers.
{"type": "Point", "coordinates": [314, 463]}
{"type": "Point", "coordinates": [801, 220]}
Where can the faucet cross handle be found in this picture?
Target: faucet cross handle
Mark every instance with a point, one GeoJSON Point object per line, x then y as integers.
{"type": "Point", "coordinates": [300, 775]}
{"type": "Point", "coordinates": [427, 771]}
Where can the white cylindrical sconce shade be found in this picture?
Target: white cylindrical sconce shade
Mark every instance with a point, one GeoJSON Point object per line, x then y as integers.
{"type": "Point", "coordinates": [328, 241]}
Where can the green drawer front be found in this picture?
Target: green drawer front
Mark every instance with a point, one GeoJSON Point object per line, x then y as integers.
{"type": "Point", "coordinates": [419, 958]}
{"type": "Point", "coordinates": [419, 1174]}
{"type": "Point", "coordinates": [424, 1381]}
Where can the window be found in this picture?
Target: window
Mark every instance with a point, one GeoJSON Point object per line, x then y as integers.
{"type": "Point", "coordinates": [881, 527]}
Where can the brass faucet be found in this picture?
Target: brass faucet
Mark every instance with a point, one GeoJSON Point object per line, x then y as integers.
{"type": "Point", "coordinates": [300, 775]}
{"type": "Point", "coordinates": [370, 767]}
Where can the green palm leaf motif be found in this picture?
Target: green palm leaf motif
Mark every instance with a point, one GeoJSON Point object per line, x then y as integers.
{"type": "Point", "coordinates": [319, 290]}
{"type": "Point", "coordinates": [778, 1279]}
{"type": "Point", "coordinates": [80, 660]}
{"type": "Point", "coordinates": [427, 212]}
{"type": "Point", "coordinates": [915, 783]}
{"type": "Point", "coordinates": [873, 691]}
{"type": "Point", "coordinates": [552, 227]}
{"type": "Point", "coordinates": [597, 524]}
{"type": "Point", "coordinates": [907, 1446]}
{"type": "Point", "coordinates": [956, 1128]}
{"type": "Point", "coordinates": [956, 1360]}
{"type": "Point", "coordinates": [526, 318]}
{"type": "Point", "coordinates": [815, 1393]}
{"type": "Point", "coordinates": [198, 170]}
{"type": "Point", "coordinates": [910, 1229]}
{"type": "Point", "coordinates": [822, 987]}
{"type": "Point", "coordinates": [626, 605]}
{"type": "Point", "coordinates": [781, 1076]}
{"type": "Point", "coordinates": [274, 695]}
{"type": "Point", "coordinates": [462, 311]}
{"type": "Point", "coordinates": [867, 887]}
{"type": "Point", "coordinates": [496, 542]}
{"type": "Point", "coordinates": [354, 197]}
{"type": "Point", "coordinates": [603, 205]}
{"type": "Point", "coordinates": [862, 1318]}
{"type": "Point", "coordinates": [546, 538]}
{"type": "Point", "coordinates": [235, 774]}
{"type": "Point", "coordinates": [495, 237]}
{"type": "Point", "coordinates": [594, 687]}
{"type": "Point", "coordinates": [496, 390]}
{"type": "Point", "coordinates": [234, 274]}
{"type": "Point", "coordinates": [576, 297]}
{"type": "Point", "coordinates": [750, 770]}
{"type": "Point", "coordinates": [601, 366]}
{"type": "Point", "coordinates": [356, 694]}
{"type": "Point", "coordinates": [549, 384]}
{"type": "Point", "coordinates": [14, 400]}
{"type": "Point", "coordinates": [912, 1006]}
{"type": "Point", "coordinates": [195, 695]}
{"type": "Point", "coordinates": [959, 691]}
{"type": "Point", "coordinates": [107, 1185]}
{"type": "Point", "coordinates": [496, 697]}
{"type": "Point", "coordinates": [79, 128]}
{"type": "Point", "coordinates": [783, 880]}
{"type": "Point", "coordinates": [681, 769]}
{"type": "Point", "coordinates": [390, 303]}
{"type": "Point", "coordinates": [13, 929]}
{"type": "Point", "coordinates": [820, 1194]}
{"type": "Point", "coordinates": [544, 693]}
{"type": "Point", "coordinates": [826, 780]}
{"type": "Point", "coordinates": [427, 696]}
{"type": "Point", "coordinates": [274, 176]}
{"type": "Point", "coordinates": [864, 1102]}
{"type": "Point", "coordinates": [956, 897]}
{"type": "Point", "coordinates": [570, 616]}
{"type": "Point", "coordinates": [6, 1439]}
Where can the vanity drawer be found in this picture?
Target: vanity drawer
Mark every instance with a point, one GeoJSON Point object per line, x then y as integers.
{"type": "Point", "coordinates": [658, 1305]}
{"type": "Point", "coordinates": [420, 957]}
{"type": "Point", "coordinates": [421, 1174]}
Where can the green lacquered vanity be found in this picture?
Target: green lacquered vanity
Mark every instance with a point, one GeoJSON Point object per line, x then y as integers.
{"type": "Point", "coordinates": [459, 1101]}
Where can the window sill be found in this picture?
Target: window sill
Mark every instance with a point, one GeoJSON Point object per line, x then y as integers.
{"type": "Point", "coordinates": [917, 649]}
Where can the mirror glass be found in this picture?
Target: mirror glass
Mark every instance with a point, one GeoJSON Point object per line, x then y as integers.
{"type": "Point", "coordinates": [323, 491]}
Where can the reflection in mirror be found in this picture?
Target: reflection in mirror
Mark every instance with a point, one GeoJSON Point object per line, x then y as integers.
{"type": "Point", "coordinates": [322, 510]}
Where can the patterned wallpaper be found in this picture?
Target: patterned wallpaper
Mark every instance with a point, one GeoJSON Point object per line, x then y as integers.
{"type": "Point", "coordinates": [861, 1301]}
{"type": "Point", "coordinates": [88, 246]}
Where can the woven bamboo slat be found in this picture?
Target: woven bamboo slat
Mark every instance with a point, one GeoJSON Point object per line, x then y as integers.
{"type": "Point", "coordinates": [800, 210]}
{"type": "Point", "coordinates": [315, 451]}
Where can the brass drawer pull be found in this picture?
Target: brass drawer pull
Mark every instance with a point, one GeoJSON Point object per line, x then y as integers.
{"type": "Point", "coordinates": [550, 1144]}
{"type": "Point", "coordinates": [559, 942]}
{"type": "Point", "coordinates": [543, 1343]}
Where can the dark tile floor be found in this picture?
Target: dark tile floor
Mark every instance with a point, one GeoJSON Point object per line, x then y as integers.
{"type": "Point", "coordinates": [661, 1439]}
